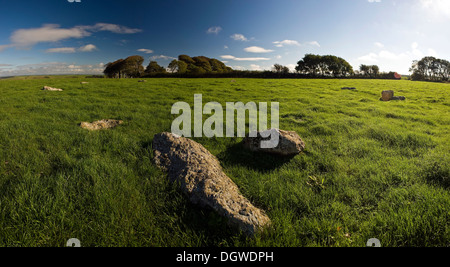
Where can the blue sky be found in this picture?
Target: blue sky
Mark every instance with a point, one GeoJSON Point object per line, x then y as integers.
{"type": "Point", "coordinates": [55, 36]}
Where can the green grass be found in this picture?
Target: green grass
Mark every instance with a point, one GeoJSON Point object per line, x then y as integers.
{"type": "Point", "coordinates": [371, 169]}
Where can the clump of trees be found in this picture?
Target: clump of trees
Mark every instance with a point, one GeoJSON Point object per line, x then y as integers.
{"type": "Point", "coordinates": [430, 69]}
{"type": "Point", "coordinates": [277, 68]}
{"type": "Point", "coordinates": [373, 72]}
{"type": "Point", "coordinates": [198, 65]}
{"type": "Point", "coordinates": [131, 67]}
{"type": "Point", "coordinates": [186, 66]}
{"type": "Point", "coordinates": [369, 70]}
{"type": "Point", "coordinates": [154, 67]}
{"type": "Point", "coordinates": [324, 66]}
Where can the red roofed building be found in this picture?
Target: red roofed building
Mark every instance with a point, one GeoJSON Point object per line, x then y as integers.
{"type": "Point", "coordinates": [397, 76]}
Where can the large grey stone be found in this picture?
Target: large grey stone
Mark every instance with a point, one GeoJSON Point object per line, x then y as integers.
{"type": "Point", "coordinates": [202, 179]}
{"type": "Point", "coordinates": [387, 95]}
{"type": "Point", "coordinates": [289, 144]}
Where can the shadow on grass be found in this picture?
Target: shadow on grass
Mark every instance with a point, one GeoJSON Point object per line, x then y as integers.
{"type": "Point", "coordinates": [262, 162]}
{"type": "Point", "coordinates": [203, 226]}
{"type": "Point", "coordinates": [437, 173]}
{"type": "Point", "coordinates": [236, 154]}
{"type": "Point", "coordinates": [208, 223]}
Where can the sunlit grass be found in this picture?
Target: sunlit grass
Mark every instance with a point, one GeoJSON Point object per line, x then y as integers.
{"type": "Point", "coordinates": [371, 169]}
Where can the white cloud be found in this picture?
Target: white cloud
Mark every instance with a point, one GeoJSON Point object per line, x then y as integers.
{"type": "Point", "coordinates": [313, 43]}
{"type": "Point", "coordinates": [225, 47]}
{"type": "Point", "coordinates": [66, 50]}
{"type": "Point", "coordinates": [238, 67]}
{"type": "Point", "coordinates": [87, 48]}
{"type": "Point", "coordinates": [291, 66]}
{"type": "Point", "coordinates": [49, 33]}
{"type": "Point", "coordinates": [163, 57]}
{"type": "Point", "coordinates": [239, 37]}
{"type": "Point", "coordinates": [245, 58]}
{"type": "Point", "coordinates": [415, 50]}
{"type": "Point", "coordinates": [257, 49]}
{"type": "Point", "coordinates": [255, 67]}
{"type": "Point", "coordinates": [374, 1]}
{"type": "Point", "coordinates": [228, 57]}
{"type": "Point", "coordinates": [438, 7]}
{"type": "Point", "coordinates": [389, 55]}
{"type": "Point", "coordinates": [50, 68]}
{"type": "Point", "coordinates": [432, 52]}
{"type": "Point", "coordinates": [385, 56]}
{"type": "Point", "coordinates": [379, 45]}
{"type": "Point", "coordinates": [3, 47]}
{"type": "Point", "coordinates": [146, 51]}
{"type": "Point", "coordinates": [251, 59]}
{"type": "Point", "coordinates": [369, 58]}
{"type": "Point", "coordinates": [114, 28]}
{"type": "Point", "coordinates": [400, 62]}
{"type": "Point", "coordinates": [295, 43]}
{"type": "Point", "coordinates": [214, 30]}
{"type": "Point", "coordinates": [286, 42]}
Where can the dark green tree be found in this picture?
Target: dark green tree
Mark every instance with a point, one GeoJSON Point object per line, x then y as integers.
{"type": "Point", "coordinates": [132, 66]}
{"type": "Point", "coordinates": [364, 69]}
{"type": "Point", "coordinates": [430, 69]}
{"type": "Point", "coordinates": [173, 66]}
{"type": "Point", "coordinates": [182, 67]}
{"type": "Point", "coordinates": [310, 64]}
{"type": "Point", "coordinates": [114, 69]}
{"type": "Point", "coordinates": [329, 65]}
{"type": "Point", "coordinates": [217, 66]}
{"type": "Point", "coordinates": [154, 67]}
{"type": "Point", "coordinates": [375, 70]}
{"type": "Point", "coordinates": [277, 68]}
{"type": "Point", "coordinates": [187, 59]}
{"type": "Point", "coordinates": [203, 62]}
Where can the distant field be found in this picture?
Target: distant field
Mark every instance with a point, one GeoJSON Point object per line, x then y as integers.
{"type": "Point", "coordinates": [371, 169]}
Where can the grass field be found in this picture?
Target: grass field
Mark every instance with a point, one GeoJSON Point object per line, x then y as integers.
{"type": "Point", "coordinates": [371, 169]}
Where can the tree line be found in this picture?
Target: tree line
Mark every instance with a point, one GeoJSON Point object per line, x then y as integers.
{"type": "Point", "coordinates": [198, 65]}
{"type": "Point", "coordinates": [369, 70]}
{"type": "Point", "coordinates": [430, 69]}
{"type": "Point", "coordinates": [316, 65]}
{"type": "Point", "coordinates": [131, 67]}
{"type": "Point", "coordinates": [311, 66]}
{"type": "Point", "coordinates": [373, 72]}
